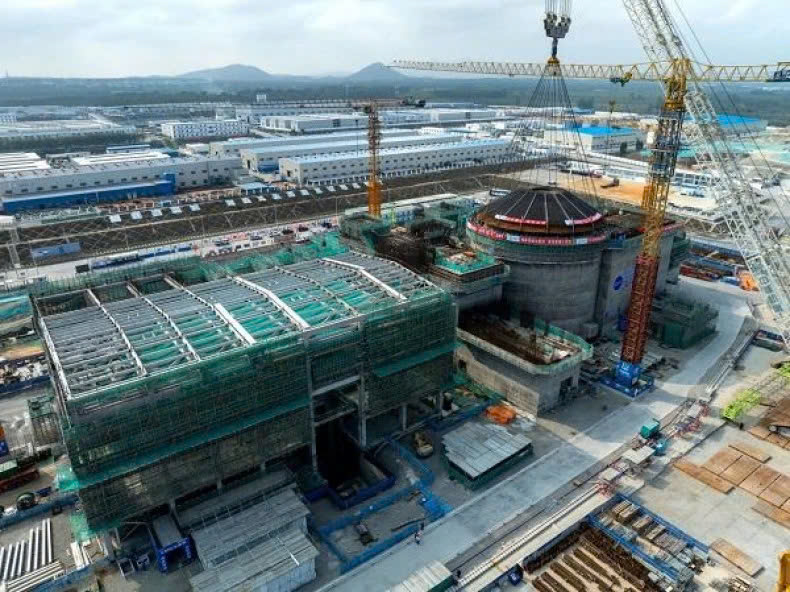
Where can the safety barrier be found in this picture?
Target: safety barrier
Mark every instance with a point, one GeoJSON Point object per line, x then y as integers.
{"type": "Point", "coordinates": [434, 507]}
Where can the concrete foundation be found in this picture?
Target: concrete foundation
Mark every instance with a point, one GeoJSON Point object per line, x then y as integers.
{"type": "Point", "coordinates": [504, 364]}
{"type": "Point", "coordinates": [531, 393]}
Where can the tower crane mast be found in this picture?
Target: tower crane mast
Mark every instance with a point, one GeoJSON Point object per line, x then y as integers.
{"type": "Point", "coordinates": [754, 236]}
{"type": "Point", "coordinates": [371, 108]}
{"type": "Point", "coordinates": [671, 63]}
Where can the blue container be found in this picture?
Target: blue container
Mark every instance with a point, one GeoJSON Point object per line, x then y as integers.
{"type": "Point", "coordinates": [3, 447]}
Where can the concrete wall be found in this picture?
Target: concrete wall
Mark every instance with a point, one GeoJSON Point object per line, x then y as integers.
{"type": "Point", "coordinates": [531, 393]}
{"type": "Point", "coordinates": [617, 275]}
{"type": "Point", "coordinates": [663, 262]}
{"type": "Point", "coordinates": [560, 293]}
{"type": "Point", "coordinates": [616, 279]}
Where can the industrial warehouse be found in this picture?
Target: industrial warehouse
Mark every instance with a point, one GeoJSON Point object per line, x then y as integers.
{"type": "Point", "coordinates": [426, 152]}
{"type": "Point", "coordinates": [389, 333]}
{"type": "Point", "coordinates": [268, 158]}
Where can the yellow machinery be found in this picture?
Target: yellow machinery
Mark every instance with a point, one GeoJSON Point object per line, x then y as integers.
{"type": "Point", "coordinates": [783, 583]}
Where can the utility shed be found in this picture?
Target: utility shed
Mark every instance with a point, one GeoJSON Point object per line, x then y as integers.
{"type": "Point", "coordinates": [281, 564]}
{"type": "Point", "coordinates": [434, 577]}
{"type": "Point", "coordinates": [258, 542]}
{"type": "Point", "coordinates": [480, 448]}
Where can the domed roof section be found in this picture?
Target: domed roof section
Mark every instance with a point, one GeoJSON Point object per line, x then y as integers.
{"type": "Point", "coordinates": [540, 208]}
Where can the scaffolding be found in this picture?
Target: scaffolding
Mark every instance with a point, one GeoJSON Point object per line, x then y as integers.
{"type": "Point", "coordinates": [683, 323]}
{"type": "Point", "coordinates": [44, 420]}
{"type": "Point", "coordinates": [173, 386]}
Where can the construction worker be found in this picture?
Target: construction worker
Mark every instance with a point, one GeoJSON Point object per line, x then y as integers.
{"type": "Point", "coordinates": [418, 537]}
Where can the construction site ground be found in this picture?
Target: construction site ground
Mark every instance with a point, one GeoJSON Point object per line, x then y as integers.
{"type": "Point", "coordinates": [576, 439]}
{"type": "Point", "coordinates": [707, 514]}
{"type": "Point", "coordinates": [480, 521]}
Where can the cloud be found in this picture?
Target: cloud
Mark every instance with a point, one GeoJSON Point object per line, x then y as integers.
{"type": "Point", "coordinates": [140, 37]}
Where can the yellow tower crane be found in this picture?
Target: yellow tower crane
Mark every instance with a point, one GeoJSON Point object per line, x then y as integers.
{"type": "Point", "coordinates": [682, 78]}
{"type": "Point", "coordinates": [371, 108]}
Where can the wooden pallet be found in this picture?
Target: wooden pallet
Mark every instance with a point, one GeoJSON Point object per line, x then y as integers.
{"type": "Point", "coordinates": [704, 476]}
{"type": "Point", "coordinates": [778, 492]}
{"type": "Point", "coordinates": [722, 460]}
{"type": "Point", "coordinates": [740, 470]}
{"type": "Point", "coordinates": [737, 557]}
{"type": "Point", "coordinates": [773, 513]}
{"type": "Point", "coordinates": [778, 440]}
{"type": "Point", "coordinates": [760, 480]}
{"type": "Point", "coordinates": [760, 432]}
{"type": "Point", "coordinates": [751, 450]}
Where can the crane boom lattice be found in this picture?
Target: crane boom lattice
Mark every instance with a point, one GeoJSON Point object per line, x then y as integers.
{"type": "Point", "coordinates": [750, 227]}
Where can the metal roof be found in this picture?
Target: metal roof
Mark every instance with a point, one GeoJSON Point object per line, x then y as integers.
{"type": "Point", "coordinates": [108, 343]}
{"type": "Point", "coordinates": [454, 143]}
{"type": "Point", "coordinates": [542, 207]}
{"type": "Point", "coordinates": [605, 131]}
{"type": "Point", "coordinates": [342, 146]}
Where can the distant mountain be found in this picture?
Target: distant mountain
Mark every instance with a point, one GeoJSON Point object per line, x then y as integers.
{"type": "Point", "coordinates": [232, 73]}
{"type": "Point", "coordinates": [377, 72]}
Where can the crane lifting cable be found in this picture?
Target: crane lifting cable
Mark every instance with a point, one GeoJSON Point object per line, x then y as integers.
{"type": "Point", "coordinates": [670, 62]}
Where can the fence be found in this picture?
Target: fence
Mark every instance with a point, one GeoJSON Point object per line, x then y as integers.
{"type": "Point", "coordinates": [434, 507]}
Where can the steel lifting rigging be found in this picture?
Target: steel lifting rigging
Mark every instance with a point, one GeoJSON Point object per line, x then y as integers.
{"type": "Point", "coordinates": [671, 62]}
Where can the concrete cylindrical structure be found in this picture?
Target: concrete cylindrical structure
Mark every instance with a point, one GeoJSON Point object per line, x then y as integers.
{"type": "Point", "coordinates": [553, 242]}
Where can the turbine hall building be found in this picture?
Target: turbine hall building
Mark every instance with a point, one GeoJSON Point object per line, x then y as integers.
{"type": "Point", "coordinates": [176, 379]}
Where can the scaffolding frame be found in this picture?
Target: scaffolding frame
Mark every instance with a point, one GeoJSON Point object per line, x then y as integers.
{"type": "Point", "coordinates": [230, 365]}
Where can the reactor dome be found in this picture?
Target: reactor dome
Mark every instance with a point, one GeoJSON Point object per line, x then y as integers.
{"type": "Point", "coordinates": [540, 210]}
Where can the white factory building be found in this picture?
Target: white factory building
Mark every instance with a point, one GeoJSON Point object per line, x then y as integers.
{"type": "Point", "coordinates": [107, 170]}
{"type": "Point", "coordinates": [438, 116]}
{"type": "Point", "coordinates": [393, 162]}
{"type": "Point", "coordinates": [67, 128]}
{"type": "Point", "coordinates": [627, 168]}
{"type": "Point", "coordinates": [252, 113]}
{"type": "Point", "coordinates": [17, 162]}
{"type": "Point", "coordinates": [315, 123]}
{"type": "Point", "coordinates": [179, 130]}
{"type": "Point", "coordinates": [266, 159]}
{"type": "Point", "coordinates": [234, 146]}
{"type": "Point", "coordinates": [606, 140]}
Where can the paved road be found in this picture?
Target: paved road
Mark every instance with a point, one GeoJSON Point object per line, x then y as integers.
{"type": "Point", "coordinates": [484, 515]}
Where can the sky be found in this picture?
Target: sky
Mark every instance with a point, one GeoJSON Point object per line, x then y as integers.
{"type": "Point", "coordinates": [113, 38]}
